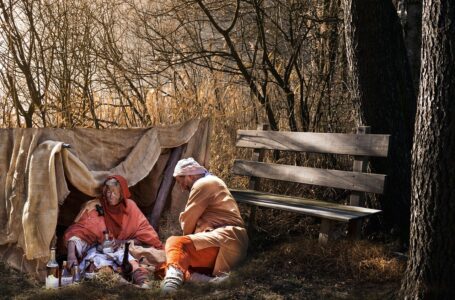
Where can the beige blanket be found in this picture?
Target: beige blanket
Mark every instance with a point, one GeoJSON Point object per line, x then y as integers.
{"type": "Point", "coordinates": [35, 171]}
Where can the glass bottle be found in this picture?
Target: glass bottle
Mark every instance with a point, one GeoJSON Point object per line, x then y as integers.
{"type": "Point", "coordinates": [126, 267]}
{"type": "Point", "coordinates": [76, 274]}
{"type": "Point", "coordinates": [66, 277]}
{"type": "Point", "coordinates": [52, 278]}
{"type": "Point", "coordinates": [107, 243]}
{"type": "Point", "coordinates": [90, 269]}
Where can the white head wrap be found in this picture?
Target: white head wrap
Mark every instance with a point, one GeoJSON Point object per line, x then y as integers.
{"type": "Point", "coordinates": [188, 166]}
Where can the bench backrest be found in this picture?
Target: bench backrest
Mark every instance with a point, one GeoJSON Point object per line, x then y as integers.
{"type": "Point", "coordinates": [361, 146]}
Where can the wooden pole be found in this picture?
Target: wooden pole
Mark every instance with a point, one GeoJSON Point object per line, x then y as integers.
{"type": "Point", "coordinates": [165, 187]}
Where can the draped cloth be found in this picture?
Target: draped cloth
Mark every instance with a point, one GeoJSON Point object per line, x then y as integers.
{"type": "Point", "coordinates": [37, 173]}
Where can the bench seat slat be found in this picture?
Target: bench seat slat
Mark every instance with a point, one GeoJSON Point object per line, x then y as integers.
{"type": "Point", "coordinates": [354, 181]}
{"type": "Point", "coordinates": [335, 143]}
{"type": "Point", "coordinates": [315, 208]}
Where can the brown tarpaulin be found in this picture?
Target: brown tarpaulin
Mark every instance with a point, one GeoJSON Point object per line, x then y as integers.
{"type": "Point", "coordinates": [37, 173]}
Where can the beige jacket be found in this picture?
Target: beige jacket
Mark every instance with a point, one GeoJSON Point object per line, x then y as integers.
{"type": "Point", "coordinates": [212, 219]}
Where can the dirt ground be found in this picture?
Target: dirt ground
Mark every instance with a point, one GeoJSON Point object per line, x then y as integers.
{"type": "Point", "coordinates": [277, 267]}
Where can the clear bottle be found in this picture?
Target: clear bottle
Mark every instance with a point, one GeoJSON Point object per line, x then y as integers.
{"type": "Point", "coordinates": [76, 274]}
{"type": "Point", "coordinates": [90, 269]}
{"type": "Point", "coordinates": [107, 244]}
{"type": "Point", "coordinates": [52, 277]}
{"type": "Point", "coordinates": [66, 277]}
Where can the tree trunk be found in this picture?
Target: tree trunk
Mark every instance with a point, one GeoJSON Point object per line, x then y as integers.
{"type": "Point", "coordinates": [431, 264]}
{"type": "Point", "coordinates": [383, 95]}
{"type": "Point", "coordinates": [412, 36]}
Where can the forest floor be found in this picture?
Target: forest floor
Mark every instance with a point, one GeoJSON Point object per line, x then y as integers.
{"type": "Point", "coordinates": [283, 266]}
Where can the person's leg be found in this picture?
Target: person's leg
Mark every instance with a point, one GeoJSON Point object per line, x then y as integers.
{"type": "Point", "coordinates": [180, 255]}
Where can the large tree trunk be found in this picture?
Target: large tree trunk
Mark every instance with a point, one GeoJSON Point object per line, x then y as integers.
{"type": "Point", "coordinates": [382, 91]}
{"type": "Point", "coordinates": [431, 265]}
{"type": "Point", "coordinates": [412, 36]}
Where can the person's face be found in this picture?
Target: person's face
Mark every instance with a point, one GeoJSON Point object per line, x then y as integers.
{"type": "Point", "coordinates": [113, 194]}
{"type": "Point", "coordinates": [185, 182]}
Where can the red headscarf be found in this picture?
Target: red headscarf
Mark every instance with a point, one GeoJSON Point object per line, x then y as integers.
{"type": "Point", "coordinates": [113, 215]}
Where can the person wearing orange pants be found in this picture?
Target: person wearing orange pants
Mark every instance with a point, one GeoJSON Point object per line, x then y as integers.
{"type": "Point", "coordinates": [214, 239]}
{"type": "Point", "coordinates": [181, 254]}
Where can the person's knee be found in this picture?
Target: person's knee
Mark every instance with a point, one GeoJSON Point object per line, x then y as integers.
{"type": "Point", "coordinates": [177, 242]}
{"type": "Point", "coordinates": [172, 241]}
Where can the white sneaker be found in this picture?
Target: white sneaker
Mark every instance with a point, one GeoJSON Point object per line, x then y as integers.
{"type": "Point", "coordinates": [172, 281]}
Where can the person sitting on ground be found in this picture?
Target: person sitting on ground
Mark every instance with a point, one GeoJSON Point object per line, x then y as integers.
{"type": "Point", "coordinates": [114, 213]}
{"type": "Point", "coordinates": [214, 236]}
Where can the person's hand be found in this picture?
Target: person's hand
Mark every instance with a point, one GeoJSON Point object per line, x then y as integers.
{"type": "Point", "coordinates": [71, 262]}
{"type": "Point", "coordinates": [71, 259]}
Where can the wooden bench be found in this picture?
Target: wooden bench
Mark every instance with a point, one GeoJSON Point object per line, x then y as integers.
{"type": "Point", "coordinates": [361, 146]}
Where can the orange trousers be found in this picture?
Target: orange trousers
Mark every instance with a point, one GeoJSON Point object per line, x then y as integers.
{"type": "Point", "coordinates": [181, 253]}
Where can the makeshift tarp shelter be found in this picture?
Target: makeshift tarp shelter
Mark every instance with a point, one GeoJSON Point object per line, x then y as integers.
{"type": "Point", "coordinates": [43, 183]}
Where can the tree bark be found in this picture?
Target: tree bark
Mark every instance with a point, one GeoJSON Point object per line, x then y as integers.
{"type": "Point", "coordinates": [412, 36]}
{"type": "Point", "coordinates": [431, 264]}
{"type": "Point", "coordinates": [383, 95]}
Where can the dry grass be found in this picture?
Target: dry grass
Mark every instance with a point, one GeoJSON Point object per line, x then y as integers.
{"type": "Point", "coordinates": [298, 267]}
{"type": "Point", "coordinates": [284, 267]}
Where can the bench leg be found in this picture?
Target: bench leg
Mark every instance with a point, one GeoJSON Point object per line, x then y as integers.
{"type": "Point", "coordinates": [326, 232]}
{"type": "Point", "coordinates": [355, 229]}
